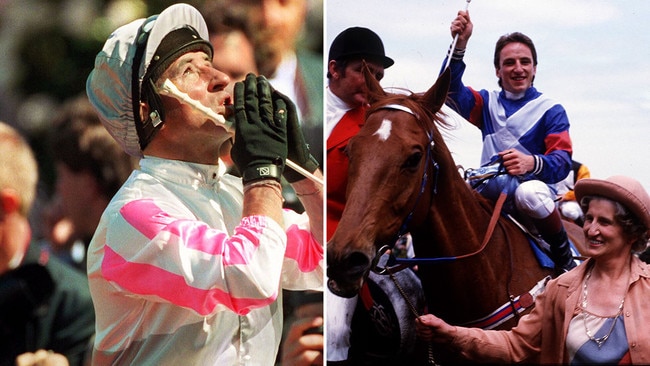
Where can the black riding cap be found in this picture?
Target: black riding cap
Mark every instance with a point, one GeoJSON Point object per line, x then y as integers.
{"type": "Point", "coordinates": [358, 42]}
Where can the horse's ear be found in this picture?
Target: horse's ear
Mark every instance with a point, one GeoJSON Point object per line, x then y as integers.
{"type": "Point", "coordinates": [374, 89]}
{"type": "Point", "coordinates": [436, 96]}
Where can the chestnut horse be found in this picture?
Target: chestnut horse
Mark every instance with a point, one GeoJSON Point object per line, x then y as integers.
{"type": "Point", "coordinates": [403, 179]}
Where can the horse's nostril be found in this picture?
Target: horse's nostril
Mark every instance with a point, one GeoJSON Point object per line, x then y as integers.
{"type": "Point", "coordinates": [357, 264]}
{"type": "Point", "coordinates": [350, 269]}
{"type": "Point", "coordinates": [345, 277]}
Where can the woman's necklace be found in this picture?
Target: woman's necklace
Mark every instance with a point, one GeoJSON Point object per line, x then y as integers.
{"type": "Point", "coordinates": [600, 340]}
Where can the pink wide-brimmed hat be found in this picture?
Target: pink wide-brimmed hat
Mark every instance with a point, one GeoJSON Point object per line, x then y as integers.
{"type": "Point", "coordinates": [625, 190]}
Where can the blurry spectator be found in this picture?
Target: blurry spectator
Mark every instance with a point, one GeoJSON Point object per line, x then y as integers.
{"type": "Point", "coordinates": [91, 166]}
{"type": "Point", "coordinates": [230, 36]}
{"type": "Point", "coordinates": [292, 69]}
{"type": "Point", "coordinates": [44, 304]}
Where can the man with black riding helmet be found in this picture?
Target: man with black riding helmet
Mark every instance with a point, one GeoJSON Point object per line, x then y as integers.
{"type": "Point", "coordinates": [187, 263]}
{"type": "Point", "coordinates": [346, 104]}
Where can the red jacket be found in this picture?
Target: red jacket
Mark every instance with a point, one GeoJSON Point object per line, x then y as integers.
{"type": "Point", "coordinates": [337, 165]}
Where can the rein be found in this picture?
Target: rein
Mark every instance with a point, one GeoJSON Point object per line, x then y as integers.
{"type": "Point", "coordinates": [486, 239]}
{"type": "Point", "coordinates": [402, 263]}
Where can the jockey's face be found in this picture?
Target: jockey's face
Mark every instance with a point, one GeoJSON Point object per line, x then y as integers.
{"type": "Point", "coordinates": [516, 69]}
{"type": "Point", "coordinates": [349, 83]}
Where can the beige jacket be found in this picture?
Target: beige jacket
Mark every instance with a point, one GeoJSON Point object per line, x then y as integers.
{"type": "Point", "coordinates": [541, 335]}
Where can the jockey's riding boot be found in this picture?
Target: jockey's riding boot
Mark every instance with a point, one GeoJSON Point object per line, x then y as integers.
{"type": "Point", "coordinates": [560, 252]}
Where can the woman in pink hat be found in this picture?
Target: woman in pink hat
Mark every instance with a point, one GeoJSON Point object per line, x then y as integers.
{"type": "Point", "coordinates": [596, 313]}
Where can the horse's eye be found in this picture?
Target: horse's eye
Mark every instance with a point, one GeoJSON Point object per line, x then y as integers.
{"type": "Point", "coordinates": [413, 161]}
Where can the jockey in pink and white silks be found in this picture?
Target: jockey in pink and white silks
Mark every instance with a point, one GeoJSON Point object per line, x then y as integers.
{"type": "Point", "coordinates": [188, 262]}
{"type": "Point", "coordinates": [135, 285]}
{"type": "Point", "coordinates": [525, 123]}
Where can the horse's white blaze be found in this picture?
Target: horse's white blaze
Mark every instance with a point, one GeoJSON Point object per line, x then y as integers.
{"type": "Point", "coordinates": [384, 130]}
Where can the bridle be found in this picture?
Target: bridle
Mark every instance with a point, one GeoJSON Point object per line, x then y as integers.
{"type": "Point", "coordinates": [423, 183]}
{"type": "Point", "coordinates": [397, 264]}
{"type": "Point", "coordinates": [425, 173]}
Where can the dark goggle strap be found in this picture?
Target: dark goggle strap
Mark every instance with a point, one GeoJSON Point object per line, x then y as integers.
{"type": "Point", "coordinates": [147, 129]}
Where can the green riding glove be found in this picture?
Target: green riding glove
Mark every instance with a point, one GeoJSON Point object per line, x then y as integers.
{"type": "Point", "coordinates": [298, 150]}
{"type": "Point", "coordinates": [260, 147]}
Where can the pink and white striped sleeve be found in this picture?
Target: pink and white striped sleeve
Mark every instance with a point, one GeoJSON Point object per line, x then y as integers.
{"type": "Point", "coordinates": [303, 267]}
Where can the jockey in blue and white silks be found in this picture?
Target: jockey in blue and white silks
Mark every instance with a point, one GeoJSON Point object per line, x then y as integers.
{"type": "Point", "coordinates": [524, 132]}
